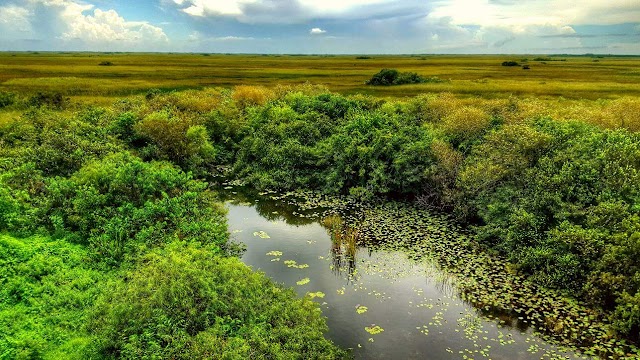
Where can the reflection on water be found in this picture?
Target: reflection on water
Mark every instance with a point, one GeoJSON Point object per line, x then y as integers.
{"type": "Point", "coordinates": [384, 304]}
{"type": "Point", "coordinates": [344, 244]}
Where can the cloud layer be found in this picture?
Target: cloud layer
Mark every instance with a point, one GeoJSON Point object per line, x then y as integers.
{"type": "Point", "coordinates": [304, 26]}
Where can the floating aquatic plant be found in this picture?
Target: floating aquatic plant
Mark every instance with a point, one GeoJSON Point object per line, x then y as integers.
{"type": "Point", "coordinates": [374, 329]}
{"type": "Point", "coordinates": [295, 265]}
{"type": "Point", "coordinates": [317, 294]}
{"type": "Point", "coordinates": [262, 235]}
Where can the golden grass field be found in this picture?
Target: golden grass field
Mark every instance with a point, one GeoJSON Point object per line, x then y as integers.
{"type": "Point", "coordinates": [80, 76]}
{"type": "Point", "coordinates": [600, 90]}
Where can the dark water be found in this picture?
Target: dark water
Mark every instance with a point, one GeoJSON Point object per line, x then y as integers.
{"type": "Point", "coordinates": [415, 305]}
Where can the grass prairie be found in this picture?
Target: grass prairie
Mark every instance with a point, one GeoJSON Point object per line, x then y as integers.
{"type": "Point", "coordinates": [85, 77]}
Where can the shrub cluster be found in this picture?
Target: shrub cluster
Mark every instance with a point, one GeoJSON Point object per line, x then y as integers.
{"type": "Point", "coordinates": [560, 199]}
{"type": "Point", "coordinates": [113, 226]}
{"type": "Point", "coordinates": [388, 77]}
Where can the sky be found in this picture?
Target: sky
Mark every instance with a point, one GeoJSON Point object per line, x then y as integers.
{"type": "Point", "coordinates": [323, 26]}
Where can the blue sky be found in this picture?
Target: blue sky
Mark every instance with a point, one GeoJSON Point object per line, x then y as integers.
{"type": "Point", "coordinates": [327, 26]}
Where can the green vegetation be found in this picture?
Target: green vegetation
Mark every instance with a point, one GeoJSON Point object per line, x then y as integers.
{"type": "Point", "coordinates": [224, 310]}
{"type": "Point", "coordinates": [77, 75]}
{"type": "Point", "coordinates": [47, 289]}
{"type": "Point", "coordinates": [90, 219]}
{"type": "Point", "coordinates": [387, 77]}
{"type": "Point", "coordinates": [106, 202]}
{"type": "Point", "coordinates": [558, 198]}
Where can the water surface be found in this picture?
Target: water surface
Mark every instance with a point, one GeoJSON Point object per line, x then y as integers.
{"type": "Point", "coordinates": [380, 303]}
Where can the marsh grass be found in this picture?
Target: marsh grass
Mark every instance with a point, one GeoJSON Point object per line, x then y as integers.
{"type": "Point", "coordinates": [77, 74]}
{"type": "Point", "coordinates": [344, 242]}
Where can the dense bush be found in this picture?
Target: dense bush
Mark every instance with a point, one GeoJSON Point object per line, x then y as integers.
{"type": "Point", "coordinates": [562, 201]}
{"type": "Point", "coordinates": [559, 199]}
{"type": "Point", "coordinates": [7, 99]}
{"type": "Point", "coordinates": [105, 210]}
{"type": "Point", "coordinates": [121, 205]}
{"type": "Point", "coordinates": [46, 290]}
{"type": "Point", "coordinates": [376, 153]}
{"type": "Point", "coordinates": [182, 302]}
{"type": "Point", "coordinates": [179, 140]}
{"type": "Point", "coordinates": [55, 145]}
{"type": "Point", "coordinates": [388, 77]}
{"type": "Point", "coordinates": [51, 100]}
{"type": "Point", "coordinates": [510, 63]}
{"type": "Point", "coordinates": [338, 146]}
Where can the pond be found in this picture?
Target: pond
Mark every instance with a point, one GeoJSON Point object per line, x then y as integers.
{"type": "Point", "coordinates": [381, 301]}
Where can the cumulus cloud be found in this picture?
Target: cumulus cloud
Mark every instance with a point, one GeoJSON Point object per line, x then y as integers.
{"type": "Point", "coordinates": [71, 22]}
{"type": "Point", "coordinates": [317, 31]}
{"type": "Point", "coordinates": [15, 23]}
{"type": "Point", "coordinates": [108, 26]}
{"type": "Point", "coordinates": [15, 17]}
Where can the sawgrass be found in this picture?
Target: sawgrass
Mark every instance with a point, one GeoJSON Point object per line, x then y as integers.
{"type": "Point", "coordinates": [80, 75]}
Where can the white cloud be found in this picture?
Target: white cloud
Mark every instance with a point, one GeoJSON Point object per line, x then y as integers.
{"type": "Point", "coordinates": [516, 13]}
{"type": "Point", "coordinates": [198, 37]}
{"type": "Point", "coordinates": [195, 36]}
{"type": "Point", "coordinates": [317, 31]}
{"type": "Point", "coordinates": [72, 21]}
{"type": "Point", "coordinates": [16, 17]}
{"type": "Point", "coordinates": [233, 38]}
{"type": "Point", "coordinates": [108, 26]}
{"type": "Point", "coordinates": [15, 22]}
{"type": "Point", "coordinates": [279, 11]}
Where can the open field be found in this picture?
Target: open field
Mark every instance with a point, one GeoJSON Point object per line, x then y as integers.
{"type": "Point", "coordinates": [79, 74]}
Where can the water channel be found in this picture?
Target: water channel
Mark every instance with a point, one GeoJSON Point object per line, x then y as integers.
{"type": "Point", "coordinates": [381, 303]}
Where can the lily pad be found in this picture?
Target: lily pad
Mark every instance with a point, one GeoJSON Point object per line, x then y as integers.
{"type": "Point", "coordinates": [374, 329]}
{"type": "Point", "coordinates": [262, 235]}
{"type": "Point", "coordinates": [317, 294]}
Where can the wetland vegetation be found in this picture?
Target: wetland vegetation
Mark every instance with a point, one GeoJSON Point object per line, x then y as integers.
{"type": "Point", "coordinates": [115, 244]}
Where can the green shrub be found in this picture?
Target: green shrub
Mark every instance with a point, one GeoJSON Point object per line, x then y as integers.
{"type": "Point", "coordinates": [57, 145]}
{"type": "Point", "coordinates": [49, 100]}
{"type": "Point", "coordinates": [385, 77]}
{"type": "Point", "coordinates": [627, 315]}
{"type": "Point", "coordinates": [376, 152]}
{"type": "Point", "coordinates": [182, 302]}
{"type": "Point", "coordinates": [388, 77]}
{"type": "Point", "coordinates": [561, 201]}
{"type": "Point", "coordinates": [7, 99]}
{"type": "Point", "coordinates": [46, 288]}
{"type": "Point", "coordinates": [120, 206]}
{"type": "Point", "coordinates": [179, 140]}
